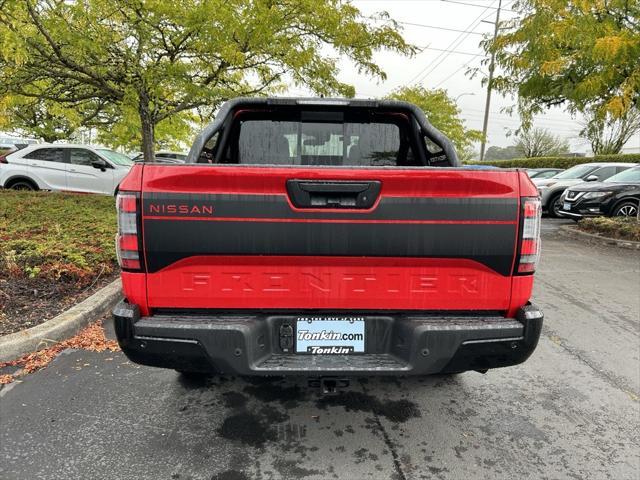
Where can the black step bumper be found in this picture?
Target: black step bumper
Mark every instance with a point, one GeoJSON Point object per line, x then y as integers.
{"type": "Point", "coordinates": [249, 344]}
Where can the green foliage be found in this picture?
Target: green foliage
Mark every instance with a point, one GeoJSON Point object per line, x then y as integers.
{"type": "Point", "coordinates": [65, 237]}
{"type": "Point", "coordinates": [608, 134]}
{"type": "Point", "coordinates": [502, 153]}
{"type": "Point", "coordinates": [538, 142]}
{"type": "Point", "coordinates": [444, 114]}
{"type": "Point", "coordinates": [583, 53]}
{"type": "Point", "coordinates": [558, 162]}
{"type": "Point", "coordinates": [148, 64]}
{"type": "Point", "coordinates": [42, 118]}
{"type": "Point", "coordinates": [616, 227]}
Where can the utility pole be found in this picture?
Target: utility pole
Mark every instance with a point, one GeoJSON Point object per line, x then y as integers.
{"type": "Point", "coordinates": [492, 65]}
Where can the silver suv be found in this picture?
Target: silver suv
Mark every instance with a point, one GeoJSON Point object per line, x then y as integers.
{"type": "Point", "coordinates": [551, 189]}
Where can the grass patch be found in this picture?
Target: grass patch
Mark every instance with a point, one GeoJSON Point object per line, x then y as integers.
{"type": "Point", "coordinates": [54, 236]}
{"type": "Point", "coordinates": [617, 227]}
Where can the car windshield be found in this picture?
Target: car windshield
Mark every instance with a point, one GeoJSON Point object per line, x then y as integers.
{"type": "Point", "coordinates": [628, 176]}
{"type": "Point", "coordinates": [579, 171]}
{"type": "Point", "coordinates": [115, 157]}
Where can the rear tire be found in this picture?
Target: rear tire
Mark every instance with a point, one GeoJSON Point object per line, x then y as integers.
{"type": "Point", "coordinates": [23, 185]}
{"type": "Point", "coordinates": [626, 209]}
{"type": "Point", "coordinates": [554, 206]}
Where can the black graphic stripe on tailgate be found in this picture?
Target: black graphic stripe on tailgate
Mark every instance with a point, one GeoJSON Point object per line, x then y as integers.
{"type": "Point", "coordinates": [277, 206]}
{"type": "Point", "coordinates": [167, 241]}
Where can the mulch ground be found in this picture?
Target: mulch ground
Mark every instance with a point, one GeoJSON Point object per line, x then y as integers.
{"type": "Point", "coordinates": [27, 302]}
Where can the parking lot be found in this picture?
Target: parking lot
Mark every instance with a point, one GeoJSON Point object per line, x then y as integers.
{"type": "Point", "coordinates": [571, 411]}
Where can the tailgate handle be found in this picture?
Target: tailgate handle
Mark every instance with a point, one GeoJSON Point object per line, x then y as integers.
{"type": "Point", "coordinates": [323, 194]}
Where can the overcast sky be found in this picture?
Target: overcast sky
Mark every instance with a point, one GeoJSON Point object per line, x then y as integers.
{"type": "Point", "coordinates": [434, 68]}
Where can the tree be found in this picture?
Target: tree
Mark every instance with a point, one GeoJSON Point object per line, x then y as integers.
{"type": "Point", "coordinates": [443, 112]}
{"type": "Point", "coordinates": [502, 153]}
{"type": "Point", "coordinates": [608, 134]}
{"type": "Point", "coordinates": [151, 61]}
{"type": "Point", "coordinates": [42, 118]}
{"type": "Point", "coordinates": [537, 142]}
{"type": "Point", "coordinates": [583, 54]}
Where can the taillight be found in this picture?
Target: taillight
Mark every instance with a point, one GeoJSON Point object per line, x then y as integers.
{"type": "Point", "coordinates": [128, 238]}
{"type": "Point", "coordinates": [3, 158]}
{"type": "Point", "coordinates": [530, 235]}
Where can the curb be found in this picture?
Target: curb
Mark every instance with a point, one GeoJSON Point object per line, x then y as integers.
{"type": "Point", "coordinates": [65, 325]}
{"type": "Point", "coordinates": [572, 231]}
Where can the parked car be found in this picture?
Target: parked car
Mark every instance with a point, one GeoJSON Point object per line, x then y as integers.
{"type": "Point", "coordinates": [65, 167]}
{"type": "Point", "coordinates": [10, 143]}
{"type": "Point", "coordinates": [551, 189]}
{"type": "Point", "coordinates": [319, 238]}
{"type": "Point", "coordinates": [617, 196]}
{"type": "Point", "coordinates": [176, 157]}
{"type": "Point", "coordinates": [540, 173]}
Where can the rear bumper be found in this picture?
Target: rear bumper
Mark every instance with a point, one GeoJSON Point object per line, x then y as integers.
{"type": "Point", "coordinates": [249, 344]}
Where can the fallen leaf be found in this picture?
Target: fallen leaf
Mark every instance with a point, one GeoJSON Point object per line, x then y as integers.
{"type": "Point", "coordinates": [90, 338]}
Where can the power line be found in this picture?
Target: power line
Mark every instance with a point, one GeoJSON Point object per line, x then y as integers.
{"type": "Point", "coordinates": [507, 114]}
{"type": "Point", "coordinates": [453, 73]}
{"type": "Point", "coordinates": [453, 44]}
{"type": "Point", "coordinates": [476, 5]}
{"type": "Point", "coordinates": [446, 29]}
{"type": "Point", "coordinates": [456, 42]}
{"type": "Point", "coordinates": [514, 123]}
{"type": "Point", "coordinates": [453, 51]}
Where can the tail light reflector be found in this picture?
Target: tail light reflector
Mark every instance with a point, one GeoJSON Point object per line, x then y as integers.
{"type": "Point", "coordinates": [530, 239]}
{"type": "Point", "coordinates": [128, 245]}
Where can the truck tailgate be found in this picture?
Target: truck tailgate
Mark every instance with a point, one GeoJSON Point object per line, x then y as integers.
{"type": "Point", "coordinates": [222, 237]}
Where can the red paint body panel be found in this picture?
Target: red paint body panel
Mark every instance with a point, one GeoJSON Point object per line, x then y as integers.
{"type": "Point", "coordinates": [430, 182]}
{"type": "Point", "coordinates": [133, 180]}
{"type": "Point", "coordinates": [340, 283]}
{"type": "Point", "coordinates": [134, 286]}
{"type": "Point", "coordinates": [521, 288]}
{"type": "Point", "coordinates": [328, 283]}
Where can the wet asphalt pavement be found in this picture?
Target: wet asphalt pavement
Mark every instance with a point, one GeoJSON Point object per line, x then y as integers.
{"type": "Point", "coordinates": [570, 412]}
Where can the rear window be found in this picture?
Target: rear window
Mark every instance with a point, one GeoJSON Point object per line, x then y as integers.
{"type": "Point", "coordinates": [320, 139]}
{"type": "Point", "coordinates": [47, 155]}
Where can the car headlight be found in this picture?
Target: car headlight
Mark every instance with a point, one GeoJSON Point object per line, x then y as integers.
{"type": "Point", "coordinates": [596, 194]}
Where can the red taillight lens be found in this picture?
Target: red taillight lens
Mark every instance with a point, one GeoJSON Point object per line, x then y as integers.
{"type": "Point", "coordinates": [127, 239]}
{"type": "Point", "coordinates": [530, 236]}
{"type": "Point", "coordinates": [3, 158]}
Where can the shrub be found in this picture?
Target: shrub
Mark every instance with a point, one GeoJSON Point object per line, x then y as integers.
{"type": "Point", "coordinates": [57, 236]}
{"type": "Point", "coordinates": [558, 162]}
{"type": "Point", "coordinates": [616, 227]}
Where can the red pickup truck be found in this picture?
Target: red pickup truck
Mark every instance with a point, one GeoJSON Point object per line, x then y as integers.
{"type": "Point", "coordinates": [326, 237]}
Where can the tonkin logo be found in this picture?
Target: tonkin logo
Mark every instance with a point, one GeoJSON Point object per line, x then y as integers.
{"type": "Point", "coordinates": [179, 209]}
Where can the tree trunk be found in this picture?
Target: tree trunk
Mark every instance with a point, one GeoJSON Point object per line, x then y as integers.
{"type": "Point", "coordinates": [148, 129]}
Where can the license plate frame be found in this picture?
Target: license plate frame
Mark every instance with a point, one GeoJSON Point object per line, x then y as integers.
{"type": "Point", "coordinates": [329, 335]}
